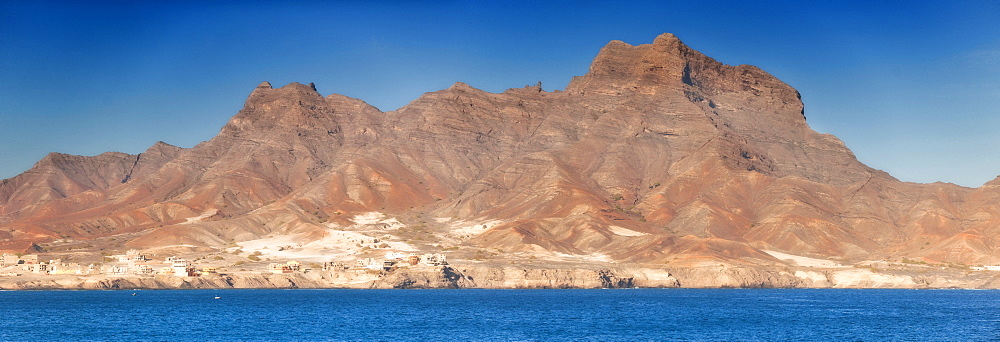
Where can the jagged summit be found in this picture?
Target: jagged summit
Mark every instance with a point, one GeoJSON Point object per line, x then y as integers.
{"type": "Point", "coordinates": [264, 91]}
{"type": "Point", "coordinates": [461, 85]}
{"type": "Point", "coordinates": [669, 63]}
{"type": "Point", "coordinates": [664, 62]}
{"type": "Point", "coordinates": [161, 143]}
{"type": "Point", "coordinates": [268, 108]}
{"type": "Point", "coordinates": [666, 38]}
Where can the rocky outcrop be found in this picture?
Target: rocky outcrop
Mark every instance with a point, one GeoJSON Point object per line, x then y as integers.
{"type": "Point", "coordinates": [519, 277]}
{"type": "Point", "coordinates": [736, 277]}
{"type": "Point", "coordinates": [427, 278]}
{"type": "Point", "coordinates": [438, 278]}
{"type": "Point", "coordinates": [514, 277]}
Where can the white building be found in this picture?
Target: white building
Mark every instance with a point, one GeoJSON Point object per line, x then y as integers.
{"type": "Point", "coordinates": [9, 260]}
{"type": "Point", "coordinates": [434, 259]}
{"type": "Point", "coordinates": [182, 268]}
{"type": "Point", "coordinates": [132, 256]}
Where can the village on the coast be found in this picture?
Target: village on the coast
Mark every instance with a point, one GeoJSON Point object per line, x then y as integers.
{"type": "Point", "coordinates": [137, 263]}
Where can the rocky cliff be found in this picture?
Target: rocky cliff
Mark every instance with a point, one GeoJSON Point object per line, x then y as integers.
{"type": "Point", "coordinates": [513, 277]}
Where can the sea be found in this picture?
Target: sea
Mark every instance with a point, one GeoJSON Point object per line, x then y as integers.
{"type": "Point", "coordinates": [502, 315]}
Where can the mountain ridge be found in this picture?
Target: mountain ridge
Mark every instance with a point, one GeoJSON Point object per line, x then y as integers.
{"type": "Point", "coordinates": [659, 154]}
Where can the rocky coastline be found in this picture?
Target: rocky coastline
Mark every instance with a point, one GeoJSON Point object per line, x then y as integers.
{"type": "Point", "coordinates": [517, 277]}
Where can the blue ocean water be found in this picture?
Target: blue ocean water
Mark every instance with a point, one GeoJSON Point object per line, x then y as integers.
{"type": "Point", "coordinates": [501, 315]}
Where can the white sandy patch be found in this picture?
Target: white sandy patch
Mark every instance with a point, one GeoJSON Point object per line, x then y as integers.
{"type": "Point", "coordinates": [544, 254]}
{"type": "Point", "coordinates": [805, 261]}
{"type": "Point", "coordinates": [592, 257]}
{"type": "Point", "coordinates": [625, 231]}
{"type": "Point", "coordinates": [866, 279]}
{"type": "Point", "coordinates": [349, 240]}
{"type": "Point", "coordinates": [334, 244]}
{"type": "Point", "coordinates": [580, 209]}
{"type": "Point", "coordinates": [205, 215]}
{"type": "Point", "coordinates": [442, 219]}
{"type": "Point", "coordinates": [813, 276]}
{"type": "Point", "coordinates": [338, 242]}
{"type": "Point", "coordinates": [181, 245]}
{"type": "Point", "coordinates": [392, 223]}
{"type": "Point", "coordinates": [368, 218]}
{"type": "Point", "coordinates": [466, 228]}
{"type": "Point", "coordinates": [657, 275]}
{"type": "Point", "coordinates": [374, 220]}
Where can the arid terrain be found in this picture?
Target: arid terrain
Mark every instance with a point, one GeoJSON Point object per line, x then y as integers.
{"type": "Point", "coordinates": [660, 167]}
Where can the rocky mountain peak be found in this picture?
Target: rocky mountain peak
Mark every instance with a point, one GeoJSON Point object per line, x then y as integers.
{"type": "Point", "coordinates": [743, 104]}
{"type": "Point", "coordinates": [622, 66]}
{"type": "Point", "coordinates": [267, 108]}
{"type": "Point", "coordinates": [159, 145]}
{"type": "Point", "coordinates": [162, 149]}
{"type": "Point", "coordinates": [262, 88]}
{"type": "Point", "coordinates": [59, 160]}
{"type": "Point", "coordinates": [460, 86]}
{"type": "Point", "coordinates": [667, 63]}
{"type": "Point", "coordinates": [667, 39]}
{"type": "Point", "coordinates": [287, 95]}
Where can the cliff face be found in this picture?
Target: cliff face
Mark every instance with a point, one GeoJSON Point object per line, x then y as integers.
{"type": "Point", "coordinates": [509, 277]}
{"type": "Point", "coordinates": [659, 154]}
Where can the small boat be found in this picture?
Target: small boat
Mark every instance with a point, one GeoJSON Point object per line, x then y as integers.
{"type": "Point", "coordinates": [217, 297]}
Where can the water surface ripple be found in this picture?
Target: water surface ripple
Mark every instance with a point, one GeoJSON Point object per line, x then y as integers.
{"type": "Point", "coordinates": [501, 315]}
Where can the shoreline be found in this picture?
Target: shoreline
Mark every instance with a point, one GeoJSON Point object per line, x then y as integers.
{"type": "Point", "coordinates": [521, 277]}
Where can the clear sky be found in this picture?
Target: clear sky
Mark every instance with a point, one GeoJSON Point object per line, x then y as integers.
{"type": "Point", "coordinates": [912, 87]}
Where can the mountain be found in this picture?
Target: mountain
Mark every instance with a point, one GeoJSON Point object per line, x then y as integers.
{"type": "Point", "coordinates": [657, 155]}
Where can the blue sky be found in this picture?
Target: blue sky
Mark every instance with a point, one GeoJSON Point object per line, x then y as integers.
{"type": "Point", "coordinates": [913, 88]}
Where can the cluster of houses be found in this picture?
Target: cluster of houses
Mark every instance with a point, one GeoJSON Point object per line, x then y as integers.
{"type": "Point", "coordinates": [137, 263]}
{"type": "Point", "coordinates": [15, 265]}
{"type": "Point", "coordinates": [134, 262]}
{"type": "Point", "coordinates": [285, 267]}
